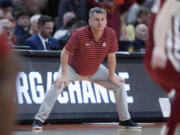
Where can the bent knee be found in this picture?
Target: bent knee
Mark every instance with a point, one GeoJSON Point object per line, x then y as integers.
{"type": "Point", "coordinates": [121, 88]}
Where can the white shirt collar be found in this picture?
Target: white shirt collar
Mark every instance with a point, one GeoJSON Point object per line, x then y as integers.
{"type": "Point", "coordinates": [43, 40]}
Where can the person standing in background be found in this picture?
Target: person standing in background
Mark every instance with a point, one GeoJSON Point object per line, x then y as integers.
{"type": "Point", "coordinates": [79, 7]}
{"type": "Point", "coordinates": [132, 13]}
{"type": "Point", "coordinates": [162, 59]}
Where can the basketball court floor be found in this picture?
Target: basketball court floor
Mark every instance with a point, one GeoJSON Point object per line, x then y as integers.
{"type": "Point", "coordinates": [92, 129]}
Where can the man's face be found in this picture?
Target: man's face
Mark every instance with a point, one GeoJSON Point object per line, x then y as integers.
{"type": "Point", "coordinates": [142, 33]}
{"type": "Point", "coordinates": [98, 21]}
{"type": "Point", "coordinates": [7, 13]}
{"type": "Point", "coordinates": [145, 19]}
{"type": "Point", "coordinates": [23, 21]}
{"type": "Point", "coordinates": [9, 30]}
{"type": "Point", "coordinates": [46, 30]}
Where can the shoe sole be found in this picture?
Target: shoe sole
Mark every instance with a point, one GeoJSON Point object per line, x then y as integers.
{"type": "Point", "coordinates": [130, 127]}
{"type": "Point", "coordinates": [37, 129]}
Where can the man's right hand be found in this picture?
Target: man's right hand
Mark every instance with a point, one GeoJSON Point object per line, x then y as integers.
{"type": "Point", "coordinates": [159, 58]}
{"type": "Point", "coordinates": [61, 81]}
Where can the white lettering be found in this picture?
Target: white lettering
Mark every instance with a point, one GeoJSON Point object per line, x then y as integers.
{"type": "Point", "coordinates": [63, 98]}
{"type": "Point", "coordinates": [74, 88]}
{"type": "Point", "coordinates": [125, 76]}
{"type": "Point", "coordinates": [22, 88]}
{"type": "Point", "coordinates": [36, 77]}
{"type": "Point", "coordinates": [88, 93]}
{"type": "Point", "coordinates": [78, 92]}
{"type": "Point", "coordinates": [101, 93]}
{"type": "Point", "coordinates": [111, 95]}
{"type": "Point", "coordinates": [49, 80]}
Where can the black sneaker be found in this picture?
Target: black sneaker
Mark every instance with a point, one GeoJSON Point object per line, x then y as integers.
{"type": "Point", "coordinates": [37, 125]}
{"type": "Point", "coordinates": [129, 124]}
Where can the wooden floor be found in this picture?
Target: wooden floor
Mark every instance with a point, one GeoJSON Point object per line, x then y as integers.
{"type": "Point", "coordinates": [92, 129]}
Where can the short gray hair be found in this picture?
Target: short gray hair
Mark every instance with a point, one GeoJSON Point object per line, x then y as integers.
{"type": "Point", "coordinates": [96, 10]}
{"type": "Point", "coordinates": [35, 18]}
{"type": "Point", "coordinates": [4, 21]}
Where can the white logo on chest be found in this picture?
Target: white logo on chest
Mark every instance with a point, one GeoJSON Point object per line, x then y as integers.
{"type": "Point", "coordinates": [87, 44]}
{"type": "Point", "coordinates": [104, 44]}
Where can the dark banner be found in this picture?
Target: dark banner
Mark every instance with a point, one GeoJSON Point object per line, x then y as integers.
{"type": "Point", "coordinates": [83, 100]}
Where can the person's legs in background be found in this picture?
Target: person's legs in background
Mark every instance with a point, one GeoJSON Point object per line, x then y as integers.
{"type": "Point", "coordinates": [174, 116]}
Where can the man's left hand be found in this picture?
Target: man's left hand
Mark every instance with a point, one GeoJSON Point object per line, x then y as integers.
{"type": "Point", "coordinates": [116, 80]}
